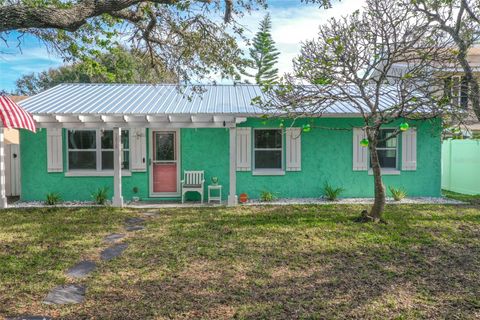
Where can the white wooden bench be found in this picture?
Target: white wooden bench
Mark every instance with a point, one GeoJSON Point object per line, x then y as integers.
{"type": "Point", "coordinates": [193, 181]}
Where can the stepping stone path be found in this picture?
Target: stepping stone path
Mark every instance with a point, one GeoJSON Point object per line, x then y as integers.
{"type": "Point", "coordinates": [75, 293]}
{"type": "Point", "coordinates": [81, 269]}
{"type": "Point", "coordinates": [135, 220]}
{"type": "Point", "coordinates": [113, 251]}
{"type": "Point", "coordinates": [133, 224]}
{"type": "Point", "coordinates": [30, 318]}
{"type": "Point", "coordinates": [134, 228]}
{"type": "Point", "coordinates": [113, 237]}
{"type": "Point", "coordinates": [72, 293]}
{"type": "Point", "coordinates": [151, 214]}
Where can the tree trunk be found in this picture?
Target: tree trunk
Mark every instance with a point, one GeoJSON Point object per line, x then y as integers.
{"type": "Point", "coordinates": [379, 203]}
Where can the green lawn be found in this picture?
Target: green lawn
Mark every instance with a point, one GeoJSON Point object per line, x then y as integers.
{"type": "Point", "coordinates": [473, 199]}
{"type": "Point", "coordinates": [287, 262]}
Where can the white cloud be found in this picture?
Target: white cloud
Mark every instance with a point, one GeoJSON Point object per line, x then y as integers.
{"type": "Point", "coordinates": [292, 25]}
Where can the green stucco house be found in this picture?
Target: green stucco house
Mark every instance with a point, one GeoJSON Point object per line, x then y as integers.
{"type": "Point", "coordinates": [139, 140]}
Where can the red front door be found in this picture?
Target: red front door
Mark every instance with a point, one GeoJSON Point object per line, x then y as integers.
{"type": "Point", "coordinates": [164, 162]}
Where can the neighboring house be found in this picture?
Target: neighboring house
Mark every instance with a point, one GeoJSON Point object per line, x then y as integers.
{"type": "Point", "coordinates": [12, 157]}
{"type": "Point", "coordinates": [11, 136]}
{"type": "Point", "coordinates": [165, 132]}
{"type": "Point", "coordinates": [457, 88]}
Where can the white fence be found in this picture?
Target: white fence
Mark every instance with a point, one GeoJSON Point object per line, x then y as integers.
{"type": "Point", "coordinates": [461, 166]}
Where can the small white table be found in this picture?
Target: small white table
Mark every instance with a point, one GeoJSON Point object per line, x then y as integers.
{"type": "Point", "coordinates": [215, 187]}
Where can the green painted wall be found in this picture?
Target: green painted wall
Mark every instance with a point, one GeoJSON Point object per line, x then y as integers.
{"type": "Point", "coordinates": [326, 156]}
{"type": "Point", "coordinates": [201, 149]}
{"type": "Point", "coordinates": [208, 150]}
{"type": "Point", "coordinates": [461, 166]}
{"type": "Point", "coordinates": [37, 182]}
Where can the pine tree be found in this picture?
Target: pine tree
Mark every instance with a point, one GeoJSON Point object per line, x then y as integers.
{"type": "Point", "coordinates": [264, 54]}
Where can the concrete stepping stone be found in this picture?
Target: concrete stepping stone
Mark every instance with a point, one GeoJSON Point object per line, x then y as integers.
{"type": "Point", "coordinates": [134, 228]}
{"type": "Point", "coordinates": [113, 251]}
{"type": "Point", "coordinates": [113, 237]}
{"type": "Point", "coordinates": [68, 294]}
{"type": "Point", "coordinates": [150, 214]}
{"type": "Point", "coordinates": [81, 269]}
{"type": "Point", "coordinates": [30, 318]}
{"type": "Point", "coordinates": [134, 220]}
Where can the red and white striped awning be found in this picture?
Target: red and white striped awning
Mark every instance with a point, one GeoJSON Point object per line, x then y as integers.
{"type": "Point", "coordinates": [13, 116]}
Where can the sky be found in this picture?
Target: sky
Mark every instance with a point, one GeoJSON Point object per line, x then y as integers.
{"type": "Point", "coordinates": [292, 23]}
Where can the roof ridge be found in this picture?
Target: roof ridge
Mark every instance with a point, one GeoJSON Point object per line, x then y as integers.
{"type": "Point", "coordinates": [156, 84]}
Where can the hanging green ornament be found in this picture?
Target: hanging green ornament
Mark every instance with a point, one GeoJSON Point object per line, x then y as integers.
{"type": "Point", "coordinates": [264, 122]}
{"type": "Point", "coordinates": [306, 128]}
{"type": "Point", "coordinates": [364, 142]}
{"type": "Point", "coordinates": [404, 126]}
{"type": "Point", "coordinates": [282, 124]}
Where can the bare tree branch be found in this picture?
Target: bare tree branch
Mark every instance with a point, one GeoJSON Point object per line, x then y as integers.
{"type": "Point", "coordinates": [382, 63]}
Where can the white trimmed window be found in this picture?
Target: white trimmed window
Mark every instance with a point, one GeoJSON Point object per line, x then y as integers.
{"type": "Point", "coordinates": [93, 150]}
{"type": "Point", "coordinates": [268, 150]}
{"type": "Point", "coordinates": [457, 89]}
{"type": "Point", "coordinates": [387, 149]}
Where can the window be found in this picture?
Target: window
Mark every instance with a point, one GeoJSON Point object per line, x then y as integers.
{"type": "Point", "coordinates": [387, 149]}
{"type": "Point", "coordinates": [93, 150]}
{"type": "Point", "coordinates": [268, 149]}
{"type": "Point", "coordinates": [457, 90]}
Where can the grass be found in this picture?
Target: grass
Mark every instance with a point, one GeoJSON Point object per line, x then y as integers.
{"type": "Point", "coordinates": [263, 262]}
{"type": "Point", "coordinates": [473, 199]}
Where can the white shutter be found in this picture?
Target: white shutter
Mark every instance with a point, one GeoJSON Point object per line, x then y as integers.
{"type": "Point", "coordinates": [138, 149]}
{"type": "Point", "coordinates": [54, 150]}
{"type": "Point", "coordinates": [409, 150]}
{"type": "Point", "coordinates": [294, 149]}
{"type": "Point", "coordinates": [360, 159]}
{"type": "Point", "coordinates": [244, 149]}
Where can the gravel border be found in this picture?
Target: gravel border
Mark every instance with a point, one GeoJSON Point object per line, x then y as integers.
{"type": "Point", "coordinates": [415, 200]}
{"type": "Point", "coordinates": [41, 204]}
{"type": "Point", "coordinates": [253, 202]}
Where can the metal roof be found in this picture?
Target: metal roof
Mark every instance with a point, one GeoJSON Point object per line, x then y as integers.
{"type": "Point", "coordinates": [144, 99]}
{"type": "Point", "coordinates": [152, 99]}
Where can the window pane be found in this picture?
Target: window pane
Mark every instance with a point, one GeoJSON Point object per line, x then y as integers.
{"type": "Point", "coordinates": [268, 138]}
{"type": "Point", "coordinates": [81, 139]}
{"type": "Point", "coordinates": [165, 146]}
{"type": "Point", "coordinates": [82, 160]}
{"type": "Point", "coordinates": [455, 91]}
{"type": "Point", "coordinates": [126, 160]}
{"type": "Point", "coordinates": [107, 160]}
{"type": "Point", "coordinates": [390, 143]}
{"type": "Point", "coordinates": [107, 139]}
{"type": "Point", "coordinates": [268, 159]}
{"type": "Point", "coordinates": [447, 87]}
{"type": "Point", "coordinates": [464, 93]}
{"type": "Point", "coordinates": [125, 140]}
{"type": "Point", "coordinates": [387, 158]}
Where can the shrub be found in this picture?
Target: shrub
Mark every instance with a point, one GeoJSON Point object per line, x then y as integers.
{"type": "Point", "coordinates": [267, 196]}
{"type": "Point", "coordinates": [53, 198]}
{"type": "Point", "coordinates": [397, 193]}
{"type": "Point", "coordinates": [100, 196]}
{"type": "Point", "coordinates": [331, 193]}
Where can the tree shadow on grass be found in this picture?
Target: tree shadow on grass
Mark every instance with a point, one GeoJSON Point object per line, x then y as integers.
{"type": "Point", "coordinates": [253, 264]}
